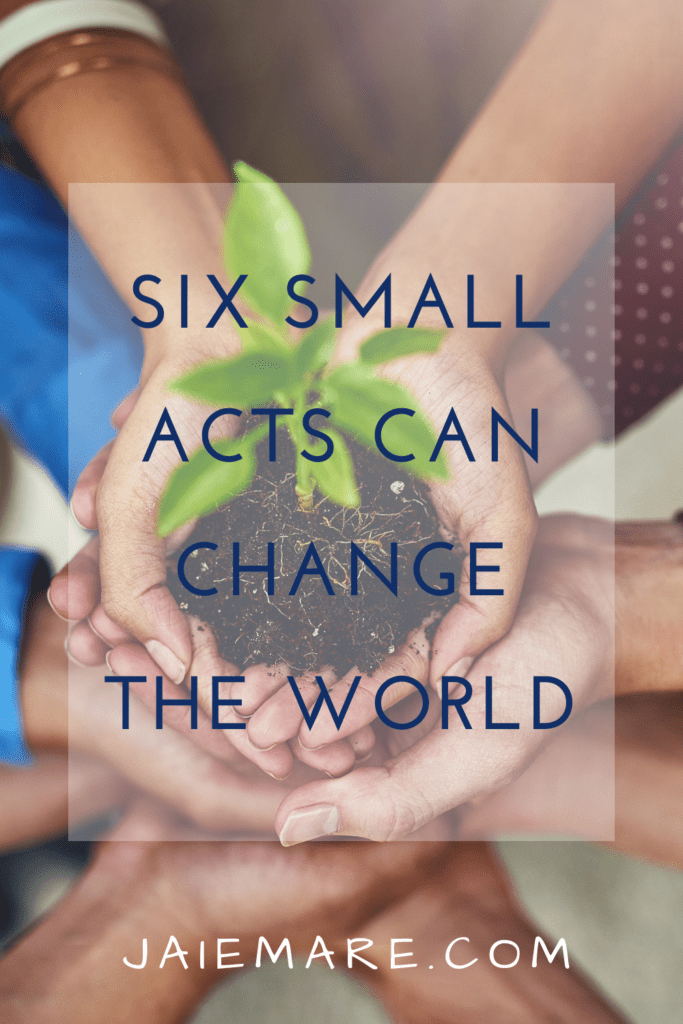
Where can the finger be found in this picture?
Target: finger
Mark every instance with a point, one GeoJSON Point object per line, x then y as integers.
{"type": "Point", "coordinates": [334, 760]}
{"type": "Point", "coordinates": [168, 766]}
{"type": "Point", "coordinates": [83, 499]}
{"type": "Point", "coordinates": [482, 502]}
{"type": "Point", "coordinates": [75, 590]}
{"type": "Point", "coordinates": [363, 743]}
{"type": "Point", "coordinates": [85, 647]}
{"type": "Point", "coordinates": [207, 663]}
{"type": "Point", "coordinates": [177, 539]}
{"type": "Point", "coordinates": [132, 660]}
{"type": "Point", "coordinates": [442, 771]}
{"type": "Point", "coordinates": [260, 683]}
{"type": "Point", "coordinates": [106, 629]}
{"type": "Point", "coordinates": [37, 801]}
{"type": "Point", "coordinates": [94, 789]}
{"type": "Point", "coordinates": [280, 718]}
{"type": "Point", "coordinates": [568, 789]}
{"type": "Point", "coordinates": [124, 409]}
{"type": "Point", "coordinates": [91, 476]}
{"type": "Point", "coordinates": [151, 821]}
{"type": "Point", "coordinates": [411, 660]}
{"type": "Point", "coordinates": [146, 821]}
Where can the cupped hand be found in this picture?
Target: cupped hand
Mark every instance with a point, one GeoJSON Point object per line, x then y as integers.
{"type": "Point", "coordinates": [482, 502]}
{"type": "Point", "coordinates": [195, 772]}
{"type": "Point", "coordinates": [564, 628]}
{"type": "Point", "coordinates": [96, 635]}
{"type": "Point", "coordinates": [95, 640]}
{"type": "Point", "coordinates": [535, 377]}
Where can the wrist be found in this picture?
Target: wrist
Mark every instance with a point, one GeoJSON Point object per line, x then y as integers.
{"type": "Point", "coordinates": [649, 590]}
{"type": "Point", "coordinates": [568, 419]}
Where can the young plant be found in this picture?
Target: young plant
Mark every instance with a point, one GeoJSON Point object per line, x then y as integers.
{"type": "Point", "coordinates": [264, 238]}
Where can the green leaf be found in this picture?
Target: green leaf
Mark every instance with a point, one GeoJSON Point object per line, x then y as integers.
{"type": "Point", "coordinates": [336, 478]}
{"type": "Point", "coordinates": [204, 483]}
{"type": "Point", "coordinates": [399, 341]}
{"type": "Point", "coordinates": [315, 348]}
{"type": "Point", "coordinates": [358, 399]}
{"type": "Point", "coordinates": [263, 338]}
{"type": "Point", "coordinates": [264, 238]}
{"type": "Point", "coordinates": [246, 380]}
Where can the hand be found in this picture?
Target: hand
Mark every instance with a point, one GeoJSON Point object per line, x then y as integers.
{"type": "Point", "coordinates": [257, 888]}
{"type": "Point", "coordinates": [118, 495]}
{"type": "Point", "coordinates": [481, 500]}
{"type": "Point", "coordinates": [73, 704]}
{"type": "Point", "coordinates": [196, 891]}
{"type": "Point", "coordinates": [564, 628]}
{"type": "Point", "coordinates": [262, 683]}
{"type": "Point", "coordinates": [74, 593]}
{"type": "Point", "coordinates": [535, 377]}
{"type": "Point", "coordinates": [95, 637]}
{"type": "Point", "coordinates": [471, 896]}
{"type": "Point", "coordinates": [431, 892]}
{"type": "Point", "coordinates": [648, 711]}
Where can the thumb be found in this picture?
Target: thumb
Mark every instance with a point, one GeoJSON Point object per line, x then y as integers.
{"type": "Point", "coordinates": [369, 802]}
{"type": "Point", "coordinates": [442, 771]}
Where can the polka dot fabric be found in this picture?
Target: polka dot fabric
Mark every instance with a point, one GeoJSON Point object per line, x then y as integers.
{"type": "Point", "coordinates": [629, 290]}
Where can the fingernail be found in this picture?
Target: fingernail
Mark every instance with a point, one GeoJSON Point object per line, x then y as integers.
{"type": "Point", "coordinates": [58, 614]}
{"type": "Point", "coordinates": [278, 778]}
{"type": "Point", "coordinates": [314, 822]}
{"type": "Point", "coordinates": [74, 661]}
{"type": "Point", "coordinates": [106, 658]}
{"type": "Point", "coordinates": [103, 639]}
{"type": "Point", "coordinates": [71, 506]}
{"type": "Point", "coordinates": [262, 750]}
{"type": "Point", "coordinates": [312, 750]}
{"type": "Point", "coordinates": [461, 668]}
{"type": "Point", "coordinates": [364, 757]}
{"type": "Point", "coordinates": [168, 662]}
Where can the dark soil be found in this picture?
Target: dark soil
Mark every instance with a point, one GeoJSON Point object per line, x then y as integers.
{"type": "Point", "coordinates": [313, 629]}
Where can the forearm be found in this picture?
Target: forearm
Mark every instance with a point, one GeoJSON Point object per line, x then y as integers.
{"type": "Point", "coordinates": [121, 129]}
{"type": "Point", "coordinates": [70, 967]}
{"type": "Point", "coordinates": [40, 801]}
{"type": "Point", "coordinates": [595, 95]}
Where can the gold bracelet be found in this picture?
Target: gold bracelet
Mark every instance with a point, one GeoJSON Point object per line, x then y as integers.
{"type": "Point", "coordinates": [74, 53]}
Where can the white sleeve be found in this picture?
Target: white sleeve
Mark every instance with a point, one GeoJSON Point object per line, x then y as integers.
{"type": "Point", "coordinates": [39, 21]}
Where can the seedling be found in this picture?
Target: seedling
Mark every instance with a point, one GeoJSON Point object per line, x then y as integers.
{"type": "Point", "coordinates": [264, 238]}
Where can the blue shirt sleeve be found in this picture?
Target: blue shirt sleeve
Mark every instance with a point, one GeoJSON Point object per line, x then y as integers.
{"type": "Point", "coordinates": [17, 567]}
{"type": "Point", "coordinates": [56, 392]}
